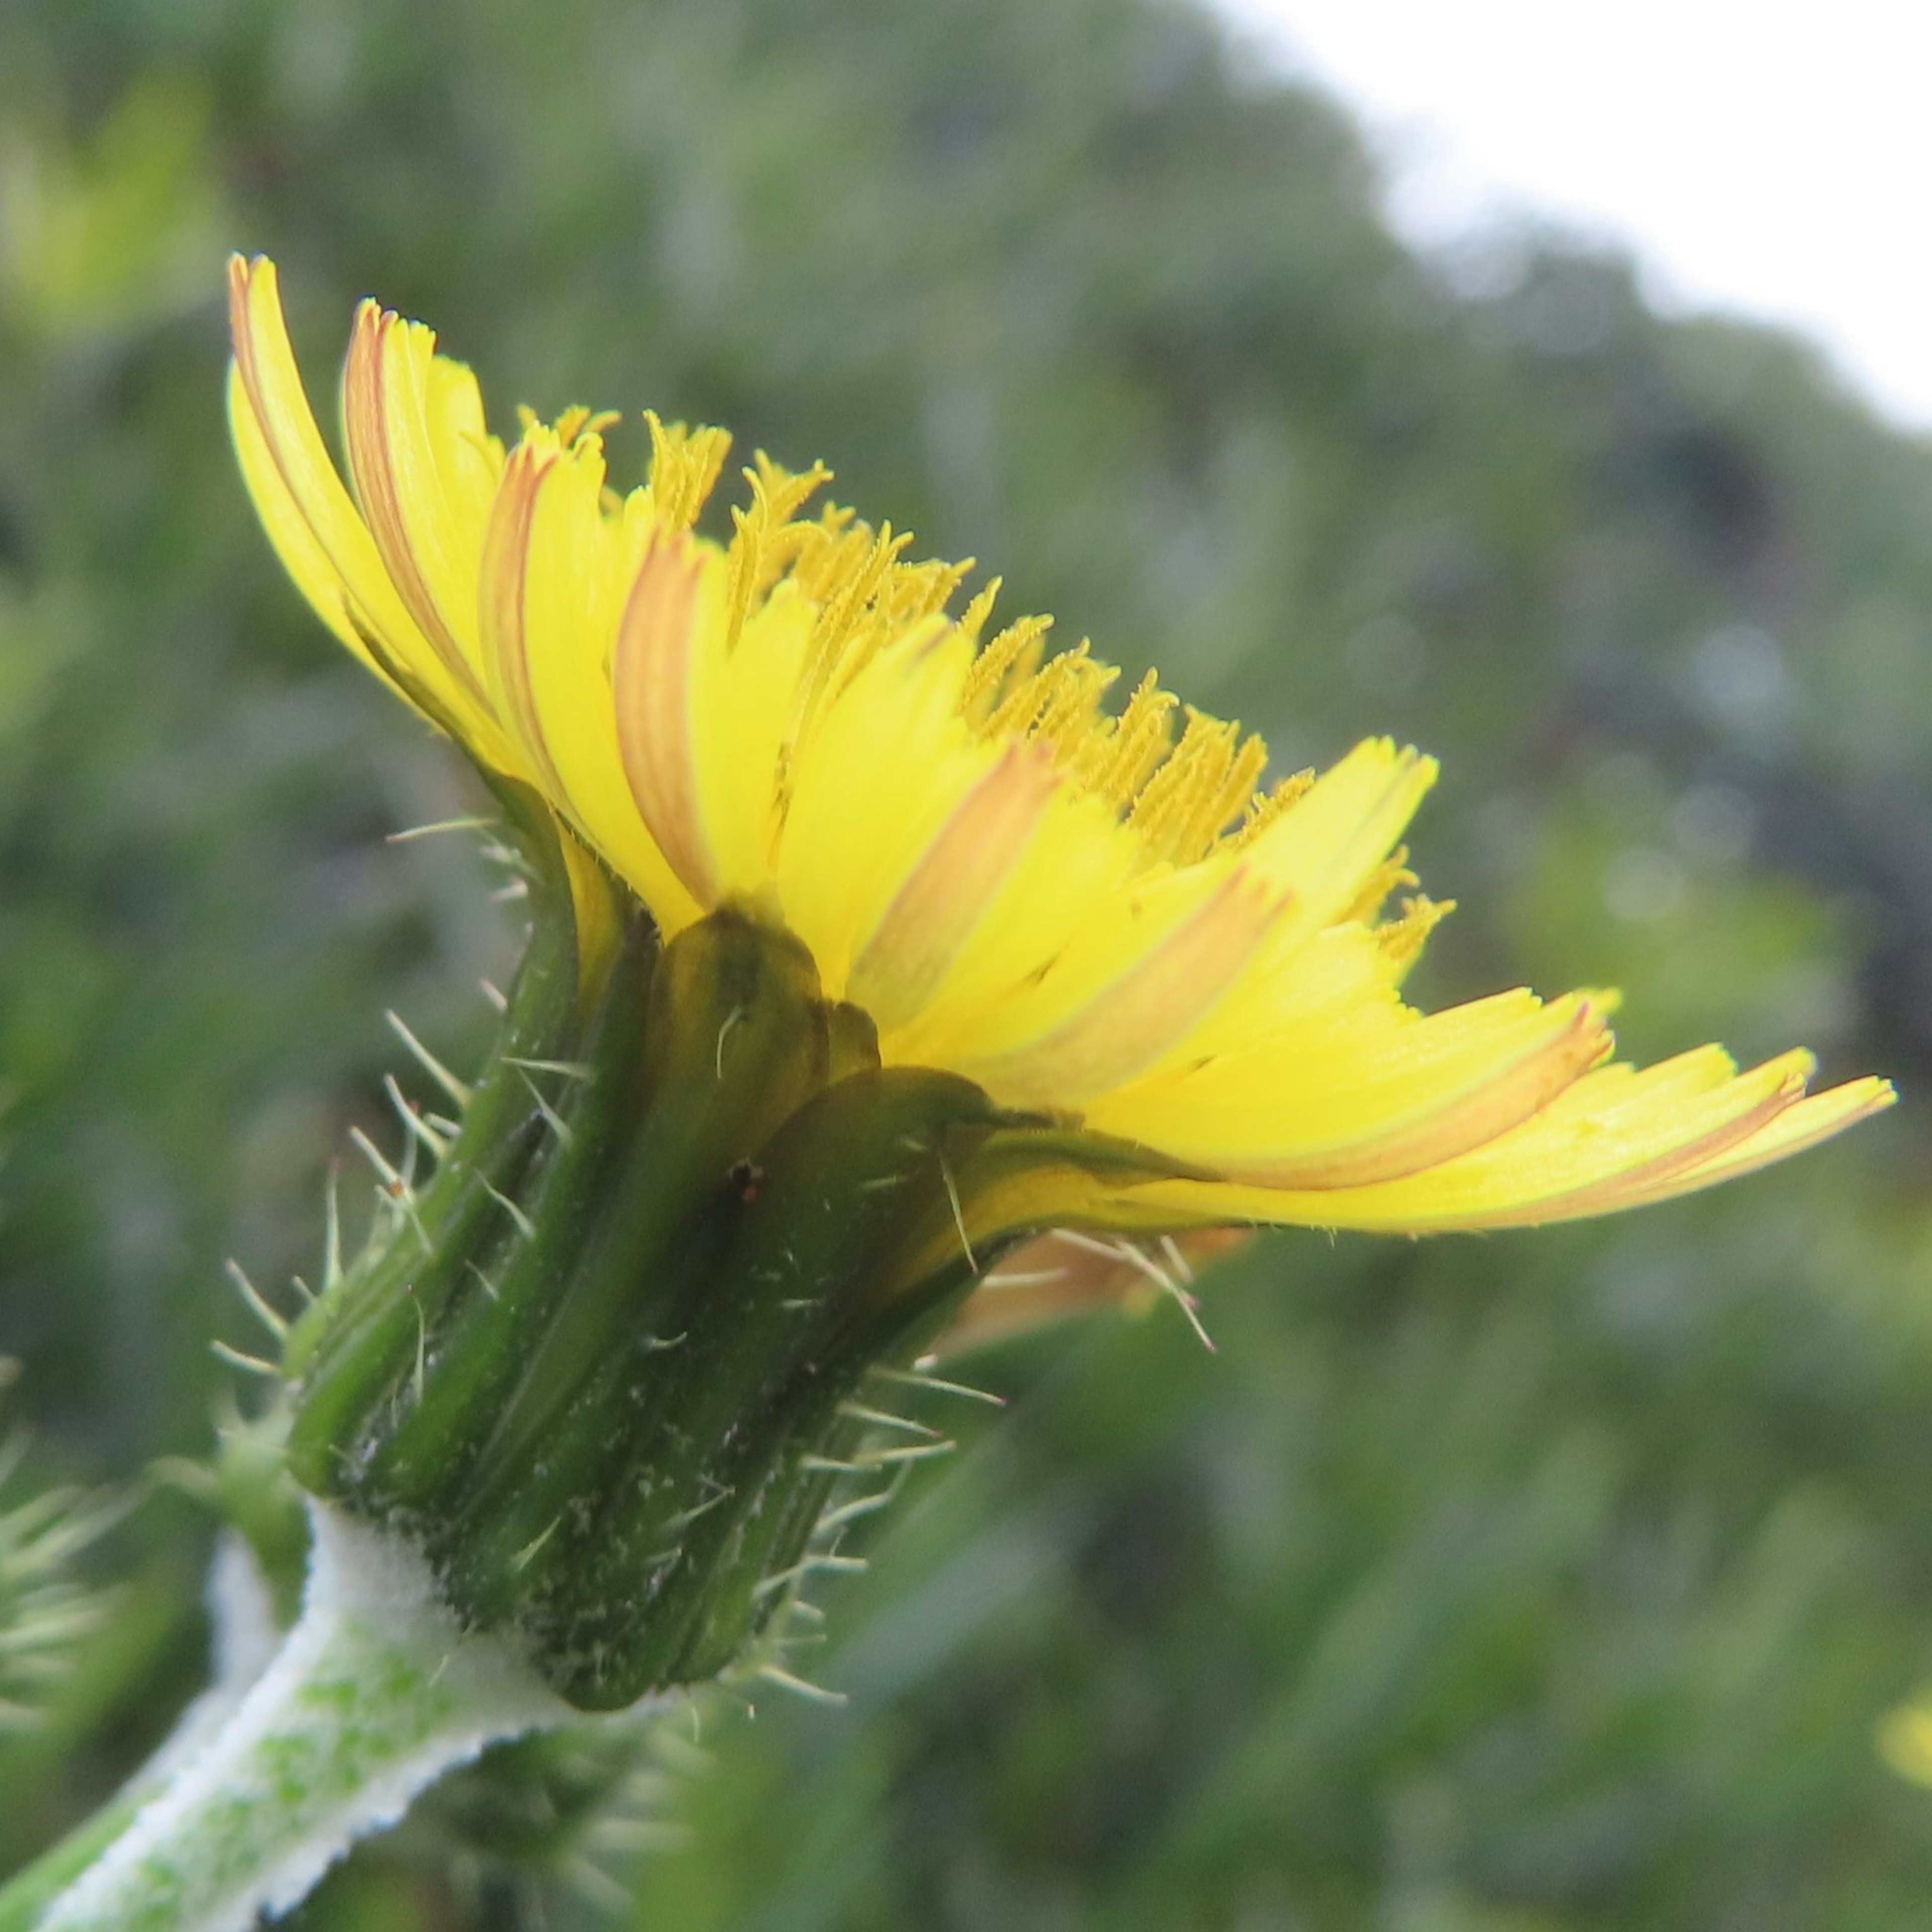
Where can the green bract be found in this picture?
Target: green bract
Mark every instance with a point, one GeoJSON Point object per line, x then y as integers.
{"type": "Point", "coordinates": [603, 1370]}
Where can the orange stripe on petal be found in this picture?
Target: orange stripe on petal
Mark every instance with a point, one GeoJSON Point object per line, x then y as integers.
{"type": "Point", "coordinates": [651, 676]}
{"type": "Point", "coordinates": [503, 576]}
{"type": "Point", "coordinates": [1654, 1179]}
{"type": "Point", "coordinates": [1514, 1094]}
{"type": "Point", "coordinates": [368, 402]}
{"type": "Point", "coordinates": [1802, 1122]}
{"type": "Point", "coordinates": [935, 911]}
{"type": "Point", "coordinates": [285, 428]}
{"type": "Point", "coordinates": [1128, 1025]}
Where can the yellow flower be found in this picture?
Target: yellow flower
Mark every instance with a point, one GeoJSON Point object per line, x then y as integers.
{"type": "Point", "coordinates": [1096, 915]}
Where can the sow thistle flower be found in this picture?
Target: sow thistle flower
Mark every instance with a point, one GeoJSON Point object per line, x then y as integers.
{"type": "Point", "coordinates": [868, 940]}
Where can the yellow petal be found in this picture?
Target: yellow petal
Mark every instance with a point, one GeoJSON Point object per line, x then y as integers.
{"type": "Point", "coordinates": [291, 475]}
{"type": "Point", "coordinates": [1815, 1118]}
{"type": "Point", "coordinates": [1068, 880]}
{"type": "Point", "coordinates": [653, 677]}
{"type": "Point", "coordinates": [935, 911]}
{"type": "Point", "coordinates": [1326, 847]}
{"type": "Point", "coordinates": [556, 571]}
{"type": "Point", "coordinates": [504, 574]}
{"type": "Point", "coordinates": [1086, 1034]}
{"type": "Point", "coordinates": [295, 543]}
{"type": "Point", "coordinates": [404, 475]}
{"type": "Point", "coordinates": [886, 763]}
{"type": "Point", "coordinates": [316, 526]}
{"type": "Point", "coordinates": [742, 700]}
{"type": "Point", "coordinates": [1618, 1137]}
{"type": "Point", "coordinates": [1365, 1093]}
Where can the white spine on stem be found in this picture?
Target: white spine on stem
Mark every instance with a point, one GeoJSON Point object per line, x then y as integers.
{"type": "Point", "coordinates": [375, 1693]}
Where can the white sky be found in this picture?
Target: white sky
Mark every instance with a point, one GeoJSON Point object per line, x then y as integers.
{"type": "Point", "coordinates": [1774, 159]}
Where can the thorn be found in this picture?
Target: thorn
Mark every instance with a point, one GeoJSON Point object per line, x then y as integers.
{"type": "Point", "coordinates": [1191, 1308]}
{"type": "Point", "coordinates": [628, 1837]}
{"type": "Point", "coordinates": [396, 1184]}
{"type": "Point", "coordinates": [659, 1565]}
{"type": "Point", "coordinates": [597, 1887]}
{"type": "Point", "coordinates": [508, 856]}
{"type": "Point", "coordinates": [880, 1418]}
{"type": "Point", "coordinates": [302, 1289]}
{"type": "Point", "coordinates": [1023, 1278]}
{"type": "Point", "coordinates": [374, 1155]}
{"type": "Point", "coordinates": [422, 1348]}
{"type": "Point", "coordinates": [183, 1473]}
{"type": "Point", "coordinates": [911, 1378]}
{"type": "Point", "coordinates": [917, 1452]}
{"type": "Point", "coordinates": [570, 1070]}
{"type": "Point", "coordinates": [411, 1116]}
{"type": "Point", "coordinates": [697, 1717]}
{"type": "Point", "coordinates": [494, 995]}
{"type": "Point", "coordinates": [836, 1518]}
{"type": "Point", "coordinates": [731, 1019]}
{"type": "Point", "coordinates": [458, 1090]}
{"type": "Point", "coordinates": [958, 1214]}
{"type": "Point", "coordinates": [684, 1519]}
{"type": "Point", "coordinates": [525, 1226]}
{"type": "Point", "coordinates": [1182, 1269]}
{"type": "Point", "coordinates": [1138, 1258]}
{"type": "Point", "coordinates": [557, 1123]}
{"type": "Point", "coordinates": [269, 1319]}
{"type": "Point", "coordinates": [489, 1287]}
{"type": "Point", "coordinates": [770, 1586]}
{"type": "Point", "coordinates": [517, 888]}
{"type": "Point", "coordinates": [332, 1245]}
{"type": "Point", "coordinates": [252, 1364]}
{"type": "Point", "coordinates": [526, 1556]}
{"type": "Point", "coordinates": [813, 1694]}
{"type": "Point", "coordinates": [32, 1522]}
{"type": "Point", "coordinates": [403, 838]}
{"type": "Point", "coordinates": [408, 1164]}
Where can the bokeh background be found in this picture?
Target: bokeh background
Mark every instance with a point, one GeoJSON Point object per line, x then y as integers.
{"type": "Point", "coordinates": [1556, 1580]}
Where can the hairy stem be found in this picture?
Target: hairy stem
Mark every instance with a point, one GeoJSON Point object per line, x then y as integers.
{"type": "Point", "coordinates": [375, 1692]}
{"type": "Point", "coordinates": [245, 1643]}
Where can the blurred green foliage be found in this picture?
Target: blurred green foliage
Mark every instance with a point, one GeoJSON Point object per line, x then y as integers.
{"type": "Point", "coordinates": [1556, 1580]}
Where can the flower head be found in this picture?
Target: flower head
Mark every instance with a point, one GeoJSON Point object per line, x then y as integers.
{"type": "Point", "coordinates": [1100, 915]}
{"type": "Point", "coordinates": [865, 944]}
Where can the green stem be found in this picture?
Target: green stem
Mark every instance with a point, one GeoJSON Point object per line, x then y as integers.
{"type": "Point", "coordinates": [240, 1610]}
{"type": "Point", "coordinates": [375, 1692]}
